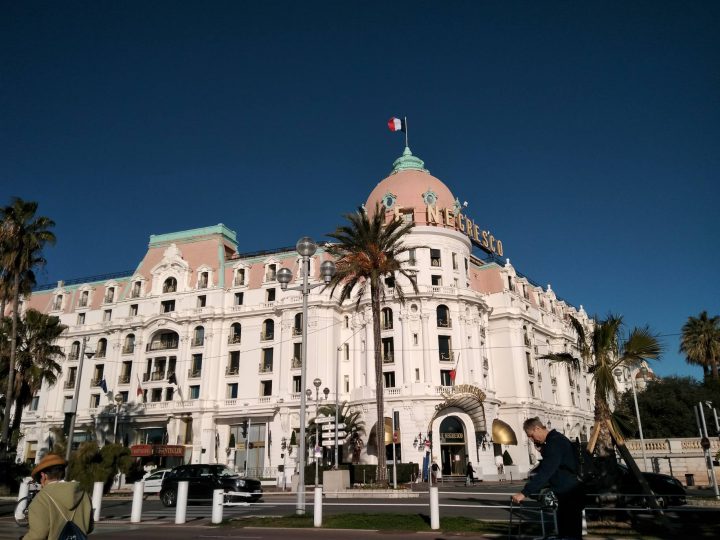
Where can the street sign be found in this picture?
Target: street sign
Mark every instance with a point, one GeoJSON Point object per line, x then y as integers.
{"type": "Point", "coordinates": [324, 419]}
{"type": "Point", "coordinates": [331, 435]}
{"type": "Point", "coordinates": [328, 427]}
{"type": "Point", "coordinates": [328, 443]}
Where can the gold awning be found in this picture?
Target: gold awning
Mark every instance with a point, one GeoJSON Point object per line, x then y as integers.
{"type": "Point", "coordinates": [502, 433]}
{"type": "Point", "coordinates": [467, 398]}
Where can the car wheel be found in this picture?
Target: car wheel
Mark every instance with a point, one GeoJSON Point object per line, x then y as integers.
{"type": "Point", "coordinates": [168, 497]}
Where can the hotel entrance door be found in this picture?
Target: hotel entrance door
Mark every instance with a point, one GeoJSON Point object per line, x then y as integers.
{"type": "Point", "coordinates": [453, 452]}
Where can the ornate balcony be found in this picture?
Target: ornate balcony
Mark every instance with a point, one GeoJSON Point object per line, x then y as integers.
{"type": "Point", "coordinates": [267, 336]}
{"type": "Point", "coordinates": [296, 331]}
{"type": "Point", "coordinates": [157, 375]}
{"type": "Point", "coordinates": [265, 368]}
{"type": "Point", "coordinates": [197, 342]}
{"type": "Point", "coordinates": [124, 379]}
{"type": "Point", "coordinates": [444, 323]}
{"type": "Point", "coordinates": [234, 339]}
{"type": "Point", "coordinates": [70, 383]}
{"type": "Point", "coordinates": [388, 358]}
{"type": "Point", "coordinates": [128, 349]}
{"type": "Point", "coordinates": [447, 357]}
{"type": "Point", "coordinates": [295, 363]}
{"type": "Point", "coordinates": [194, 373]}
{"type": "Point", "coordinates": [232, 370]}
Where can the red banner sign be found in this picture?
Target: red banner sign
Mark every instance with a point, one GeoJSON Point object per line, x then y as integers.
{"type": "Point", "coordinates": [161, 450]}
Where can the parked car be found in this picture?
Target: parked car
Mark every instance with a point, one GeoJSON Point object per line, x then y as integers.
{"type": "Point", "coordinates": [203, 480]}
{"type": "Point", "coordinates": [153, 480]}
{"type": "Point", "coordinates": [668, 490]}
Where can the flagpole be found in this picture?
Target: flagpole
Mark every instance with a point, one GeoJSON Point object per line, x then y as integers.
{"type": "Point", "coordinates": [406, 132]}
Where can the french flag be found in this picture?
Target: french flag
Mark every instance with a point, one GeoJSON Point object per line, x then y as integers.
{"type": "Point", "coordinates": [396, 124]}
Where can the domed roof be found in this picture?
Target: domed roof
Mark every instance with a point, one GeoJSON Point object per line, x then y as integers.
{"type": "Point", "coordinates": [411, 186]}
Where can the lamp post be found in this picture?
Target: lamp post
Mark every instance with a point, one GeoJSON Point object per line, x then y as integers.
{"type": "Point", "coordinates": [306, 248]}
{"type": "Point", "coordinates": [73, 407]}
{"type": "Point", "coordinates": [118, 404]}
{"type": "Point", "coordinates": [284, 447]}
{"type": "Point", "coordinates": [316, 383]}
{"type": "Point", "coordinates": [628, 375]}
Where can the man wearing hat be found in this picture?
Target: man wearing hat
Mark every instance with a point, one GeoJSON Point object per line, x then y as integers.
{"type": "Point", "coordinates": [57, 503]}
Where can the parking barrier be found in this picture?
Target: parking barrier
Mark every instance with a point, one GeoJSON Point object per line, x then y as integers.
{"type": "Point", "coordinates": [138, 494]}
{"type": "Point", "coordinates": [97, 499]}
{"type": "Point", "coordinates": [217, 508]}
{"type": "Point", "coordinates": [181, 507]}
{"type": "Point", "coordinates": [317, 510]}
{"type": "Point", "coordinates": [434, 509]}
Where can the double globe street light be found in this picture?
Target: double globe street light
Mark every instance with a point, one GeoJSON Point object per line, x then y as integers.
{"type": "Point", "coordinates": [306, 248]}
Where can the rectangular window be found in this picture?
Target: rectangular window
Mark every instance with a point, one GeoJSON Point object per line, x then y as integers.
{"type": "Point", "coordinates": [240, 277]}
{"type": "Point", "coordinates": [201, 301]}
{"type": "Point", "coordinates": [346, 383]}
{"type": "Point", "coordinates": [84, 299]}
{"type": "Point", "coordinates": [347, 321]}
{"type": "Point", "coordinates": [169, 393]}
{"type": "Point", "coordinates": [195, 391]}
{"type": "Point", "coordinates": [388, 350]}
{"type": "Point", "coordinates": [266, 388]}
{"type": "Point", "coordinates": [133, 310]}
{"type": "Point", "coordinates": [203, 281]}
{"type": "Point", "coordinates": [109, 295]}
{"type": "Point", "coordinates": [436, 281]}
{"type": "Point", "coordinates": [135, 290]}
{"type": "Point", "coordinates": [107, 315]}
{"type": "Point", "coordinates": [412, 260]}
{"type": "Point", "coordinates": [94, 401]}
{"type": "Point", "coordinates": [231, 391]}
{"type": "Point", "coordinates": [454, 261]}
{"type": "Point", "coordinates": [167, 306]}
{"type": "Point", "coordinates": [34, 403]}
{"type": "Point", "coordinates": [156, 395]}
{"type": "Point", "coordinates": [196, 365]}
{"type": "Point", "coordinates": [296, 384]}
{"type": "Point", "coordinates": [124, 395]}
{"type": "Point", "coordinates": [435, 257]}
{"type": "Point", "coordinates": [407, 216]}
{"type": "Point", "coordinates": [445, 348]}
{"type": "Point", "coordinates": [267, 360]}
{"type": "Point", "coordinates": [466, 265]}
{"type": "Point", "coordinates": [415, 339]}
{"type": "Point", "coordinates": [346, 349]}
{"type": "Point", "coordinates": [445, 378]}
{"type": "Point", "coordinates": [239, 298]}
{"type": "Point", "coordinates": [81, 319]}
{"type": "Point", "coordinates": [417, 374]}
{"type": "Point", "coordinates": [271, 272]}
{"type": "Point", "coordinates": [233, 363]}
{"type": "Point", "coordinates": [532, 389]}
{"type": "Point", "coordinates": [270, 295]}
{"type": "Point", "coordinates": [389, 379]}
{"type": "Point", "coordinates": [297, 355]}
{"type": "Point", "coordinates": [98, 374]}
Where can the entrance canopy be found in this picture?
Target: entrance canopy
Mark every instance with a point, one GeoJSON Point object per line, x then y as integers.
{"type": "Point", "coordinates": [469, 399]}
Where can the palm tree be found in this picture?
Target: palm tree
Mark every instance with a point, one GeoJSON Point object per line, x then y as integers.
{"type": "Point", "coordinates": [22, 238]}
{"type": "Point", "coordinates": [36, 357]}
{"type": "Point", "coordinates": [602, 351]}
{"type": "Point", "coordinates": [368, 250]}
{"type": "Point", "coordinates": [700, 342]}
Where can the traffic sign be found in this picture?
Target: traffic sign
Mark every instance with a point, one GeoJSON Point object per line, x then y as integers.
{"type": "Point", "coordinates": [331, 435]}
{"type": "Point", "coordinates": [328, 443]}
{"type": "Point", "coordinates": [324, 419]}
{"type": "Point", "coordinates": [328, 427]}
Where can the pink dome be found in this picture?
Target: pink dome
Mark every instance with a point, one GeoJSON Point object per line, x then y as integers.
{"type": "Point", "coordinates": [410, 186]}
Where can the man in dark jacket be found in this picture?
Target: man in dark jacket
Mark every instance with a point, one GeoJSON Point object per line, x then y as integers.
{"type": "Point", "coordinates": [558, 470]}
{"type": "Point", "coordinates": [57, 503]}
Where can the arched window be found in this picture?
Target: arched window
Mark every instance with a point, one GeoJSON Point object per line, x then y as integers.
{"type": "Point", "coordinates": [443, 316]}
{"type": "Point", "coordinates": [387, 318]}
{"type": "Point", "coordinates": [84, 297]}
{"type": "Point", "coordinates": [297, 325]}
{"type": "Point", "coordinates": [101, 350]}
{"type": "Point", "coordinates": [235, 333]}
{"type": "Point", "coordinates": [170, 285]}
{"type": "Point", "coordinates": [74, 351]}
{"type": "Point", "coordinates": [198, 336]}
{"type": "Point", "coordinates": [268, 330]}
{"type": "Point", "coordinates": [129, 345]}
{"type": "Point", "coordinates": [164, 340]}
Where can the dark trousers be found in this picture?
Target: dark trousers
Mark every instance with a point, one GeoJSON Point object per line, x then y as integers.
{"type": "Point", "coordinates": [569, 513]}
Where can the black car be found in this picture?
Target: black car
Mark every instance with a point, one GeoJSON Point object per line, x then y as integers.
{"type": "Point", "coordinates": [203, 480]}
{"type": "Point", "coordinates": [668, 490]}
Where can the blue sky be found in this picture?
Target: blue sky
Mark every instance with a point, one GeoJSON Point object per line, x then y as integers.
{"type": "Point", "coordinates": [584, 134]}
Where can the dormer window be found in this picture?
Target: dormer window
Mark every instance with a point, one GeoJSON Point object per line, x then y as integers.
{"type": "Point", "coordinates": [203, 280]}
{"type": "Point", "coordinates": [57, 302]}
{"type": "Point", "coordinates": [239, 277]}
{"type": "Point", "coordinates": [135, 292]}
{"type": "Point", "coordinates": [84, 299]}
{"type": "Point", "coordinates": [109, 295]}
{"type": "Point", "coordinates": [170, 285]}
{"type": "Point", "coordinates": [271, 272]}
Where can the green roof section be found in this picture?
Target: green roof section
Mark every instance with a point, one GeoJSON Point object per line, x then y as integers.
{"type": "Point", "coordinates": [408, 162]}
{"type": "Point", "coordinates": [193, 234]}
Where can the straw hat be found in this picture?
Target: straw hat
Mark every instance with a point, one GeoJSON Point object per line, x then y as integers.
{"type": "Point", "coordinates": [51, 460]}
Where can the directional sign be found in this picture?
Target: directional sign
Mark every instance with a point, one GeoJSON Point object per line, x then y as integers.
{"type": "Point", "coordinates": [331, 435]}
{"type": "Point", "coordinates": [324, 419]}
{"type": "Point", "coordinates": [328, 443]}
{"type": "Point", "coordinates": [328, 427]}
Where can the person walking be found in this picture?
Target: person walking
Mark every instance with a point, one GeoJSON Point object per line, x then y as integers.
{"type": "Point", "coordinates": [435, 472]}
{"type": "Point", "coordinates": [57, 503]}
{"type": "Point", "coordinates": [469, 474]}
{"type": "Point", "coordinates": [558, 469]}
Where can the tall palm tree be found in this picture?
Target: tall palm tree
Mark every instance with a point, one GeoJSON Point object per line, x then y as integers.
{"type": "Point", "coordinates": [602, 350]}
{"type": "Point", "coordinates": [36, 358]}
{"type": "Point", "coordinates": [22, 238]}
{"type": "Point", "coordinates": [368, 251]}
{"type": "Point", "coordinates": [700, 342]}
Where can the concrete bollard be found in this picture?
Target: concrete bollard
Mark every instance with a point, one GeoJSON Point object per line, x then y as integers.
{"type": "Point", "coordinates": [434, 509]}
{"type": "Point", "coordinates": [584, 524]}
{"type": "Point", "coordinates": [138, 494]}
{"type": "Point", "coordinates": [217, 508]}
{"type": "Point", "coordinates": [181, 508]}
{"type": "Point", "coordinates": [317, 509]}
{"type": "Point", "coordinates": [22, 493]}
{"type": "Point", "coordinates": [97, 500]}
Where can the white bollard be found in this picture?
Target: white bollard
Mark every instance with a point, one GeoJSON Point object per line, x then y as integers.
{"type": "Point", "coordinates": [317, 509]}
{"type": "Point", "coordinates": [584, 524]}
{"type": "Point", "coordinates": [22, 493]}
{"type": "Point", "coordinates": [434, 509]}
{"type": "Point", "coordinates": [181, 509]}
{"type": "Point", "coordinates": [97, 500]}
{"type": "Point", "coordinates": [138, 494]}
{"type": "Point", "coordinates": [217, 509]}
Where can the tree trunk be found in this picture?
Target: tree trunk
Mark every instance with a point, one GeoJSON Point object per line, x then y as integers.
{"type": "Point", "coordinates": [714, 366]}
{"type": "Point", "coordinates": [379, 384]}
{"type": "Point", "coordinates": [604, 446]}
{"type": "Point", "coordinates": [11, 367]}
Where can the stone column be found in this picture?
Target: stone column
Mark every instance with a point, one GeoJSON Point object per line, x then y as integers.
{"type": "Point", "coordinates": [405, 355]}
{"type": "Point", "coordinates": [427, 375]}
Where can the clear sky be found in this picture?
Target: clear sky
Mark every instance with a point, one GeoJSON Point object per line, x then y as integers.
{"type": "Point", "coordinates": [583, 134]}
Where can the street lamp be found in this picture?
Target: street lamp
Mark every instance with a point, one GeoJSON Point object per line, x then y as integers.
{"type": "Point", "coordinates": [73, 407]}
{"type": "Point", "coordinates": [628, 375]}
{"type": "Point", "coordinates": [316, 383]}
{"type": "Point", "coordinates": [306, 248]}
{"type": "Point", "coordinates": [118, 404]}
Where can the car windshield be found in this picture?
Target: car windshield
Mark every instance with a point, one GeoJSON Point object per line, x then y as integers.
{"type": "Point", "coordinates": [225, 471]}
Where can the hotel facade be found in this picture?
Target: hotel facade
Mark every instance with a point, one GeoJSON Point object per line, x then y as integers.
{"type": "Point", "coordinates": [200, 349]}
